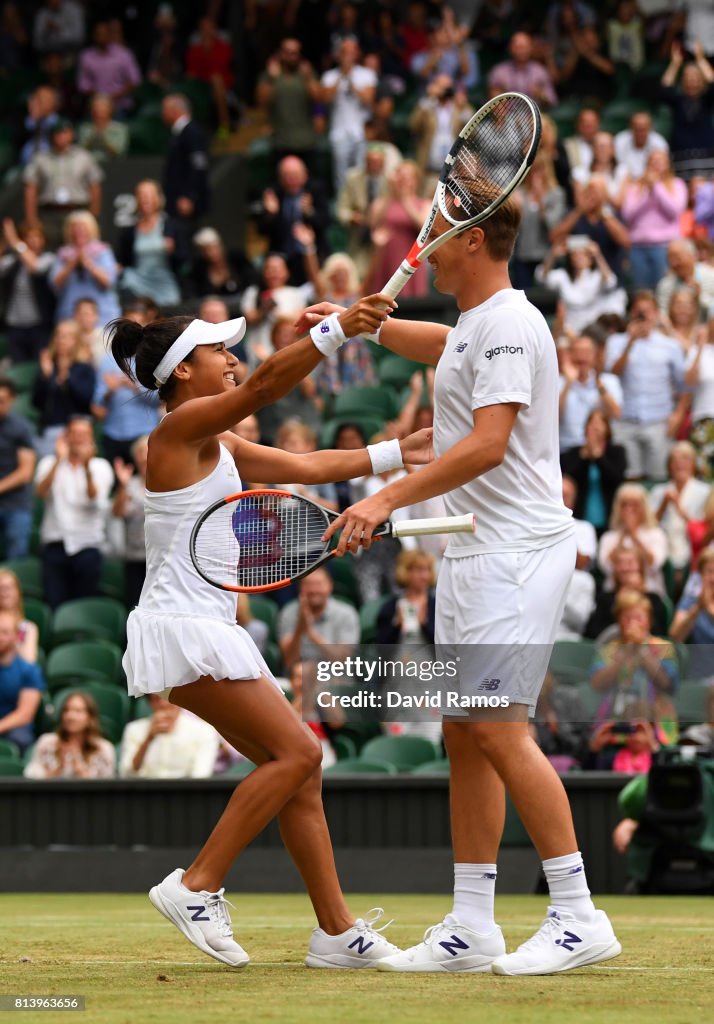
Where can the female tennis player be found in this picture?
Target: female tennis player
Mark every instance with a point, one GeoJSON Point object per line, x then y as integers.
{"type": "Point", "coordinates": [183, 637]}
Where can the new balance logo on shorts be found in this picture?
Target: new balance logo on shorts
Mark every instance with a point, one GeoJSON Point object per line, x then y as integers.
{"type": "Point", "coordinates": [567, 942]}
{"type": "Point", "coordinates": [361, 945]}
{"type": "Point", "coordinates": [461, 346]}
{"type": "Point", "coordinates": [324, 328]}
{"type": "Point", "coordinates": [490, 684]}
{"type": "Point", "coordinates": [454, 944]}
{"type": "Point", "coordinates": [197, 912]}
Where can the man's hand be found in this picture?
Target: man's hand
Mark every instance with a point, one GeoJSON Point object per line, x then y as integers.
{"type": "Point", "coordinates": [418, 448]}
{"type": "Point", "coordinates": [366, 315]}
{"type": "Point", "coordinates": [358, 523]}
{"type": "Point", "coordinates": [305, 620]}
{"type": "Point", "coordinates": [271, 202]}
{"type": "Point", "coordinates": [314, 314]}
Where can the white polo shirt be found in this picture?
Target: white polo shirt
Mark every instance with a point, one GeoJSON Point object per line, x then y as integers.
{"type": "Point", "coordinates": [70, 515]}
{"type": "Point", "coordinates": [500, 352]}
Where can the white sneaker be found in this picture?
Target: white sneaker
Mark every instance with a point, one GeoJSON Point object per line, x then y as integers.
{"type": "Point", "coordinates": [201, 916]}
{"type": "Point", "coordinates": [362, 945]}
{"type": "Point", "coordinates": [449, 946]}
{"type": "Point", "coordinates": [561, 943]}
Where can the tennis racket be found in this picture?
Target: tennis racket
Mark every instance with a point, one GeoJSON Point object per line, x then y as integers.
{"type": "Point", "coordinates": [262, 540]}
{"type": "Point", "coordinates": [489, 159]}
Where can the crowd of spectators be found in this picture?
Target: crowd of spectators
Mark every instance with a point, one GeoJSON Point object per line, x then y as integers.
{"type": "Point", "coordinates": [360, 104]}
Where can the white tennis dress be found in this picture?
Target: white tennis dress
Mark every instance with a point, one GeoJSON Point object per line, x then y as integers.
{"type": "Point", "coordinates": [183, 628]}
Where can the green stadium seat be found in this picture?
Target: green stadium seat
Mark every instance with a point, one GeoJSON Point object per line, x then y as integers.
{"type": "Point", "coordinates": [571, 660]}
{"type": "Point", "coordinates": [113, 704]}
{"type": "Point", "coordinates": [369, 423]}
{"type": "Point", "coordinates": [41, 614]}
{"type": "Point", "coordinates": [589, 698]}
{"type": "Point", "coordinates": [378, 400]}
{"type": "Point", "coordinates": [267, 611]}
{"type": "Point", "coordinates": [690, 702]}
{"type": "Point", "coordinates": [112, 582]}
{"type": "Point", "coordinates": [404, 752]}
{"type": "Point", "coordinates": [274, 658]}
{"type": "Point", "coordinates": [514, 832]}
{"type": "Point", "coordinates": [356, 765]}
{"type": "Point", "coordinates": [441, 766]}
{"type": "Point", "coordinates": [22, 375]}
{"type": "Point", "coordinates": [8, 748]}
{"type": "Point", "coordinates": [140, 708]}
{"type": "Point", "coordinates": [396, 371]}
{"type": "Point", "coordinates": [345, 748]}
{"type": "Point", "coordinates": [29, 574]}
{"type": "Point", "coordinates": [11, 766]}
{"type": "Point", "coordinates": [360, 732]}
{"type": "Point", "coordinates": [74, 663]}
{"type": "Point", "coordinates": [343, 580]}
{"type": "Point", "coordinates": [148, 136]}
{"type": "Point", "coordinates": [240, 768]}
{"type": "Point", "coordinates": [368, 614]}
{"type": "Point", "coordinates": [89, 618]}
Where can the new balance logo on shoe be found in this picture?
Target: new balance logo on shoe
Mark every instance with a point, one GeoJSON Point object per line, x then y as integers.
{"type": "Point", "coordinates": [454, 944]}
{"type": "Point", "coordinates": [361, 945]}
{"type": "Point", "coordinates": [197, 912]}
{"type": "Point", "coordinates": [565, 943]}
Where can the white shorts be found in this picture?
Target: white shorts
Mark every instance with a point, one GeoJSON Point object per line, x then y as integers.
{"type": "Point", "coordinates": [497, 614]}
{"type": "Point", "coordinates": [168, 649]}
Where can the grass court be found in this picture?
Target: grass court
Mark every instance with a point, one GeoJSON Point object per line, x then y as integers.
{"type": "Point", "coordinates": [135, 968]}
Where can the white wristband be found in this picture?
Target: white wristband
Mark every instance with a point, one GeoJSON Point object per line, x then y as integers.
{"type": "Point", "coordinates": [375, 337]}
{"type": "Point", "coordinates": [327, 336]}
{"type": "Point", "coordinates": [385, 456]}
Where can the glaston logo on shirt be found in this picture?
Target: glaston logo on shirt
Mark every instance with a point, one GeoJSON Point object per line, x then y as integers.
{"type": "Point", "coordinates": [504, 350]}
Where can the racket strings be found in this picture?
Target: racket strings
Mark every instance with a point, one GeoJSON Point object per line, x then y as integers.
{"type": "Point", "coordinates": [486, 162]}
{"type": "Point", "coordinates": [259, 541]}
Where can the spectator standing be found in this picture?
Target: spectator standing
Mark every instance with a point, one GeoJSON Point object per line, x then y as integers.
{"type": "Point", "coordinates": [629, 569]}
{"type": "Point", "coordinates": [126, 410]}
{"type": "Point", "coordinates": [75, 486]}
{"type": "Point", "coordinates": [362, 186]}
{"type": "Point", "coordinates": [693, 129]}
{"type": "Point", "coordinates": [64, 179]}
{"type": "Point", "coordinates": [678, 501]}
{"type": "Point", "coordinates": [288, 91]}
{"type": "Point", "coordinates": [171, 744]}
{"type": "Point", "coordinates": [42, 114]}
{"type": "Point", "coordinates": [651, 369]}
{"type": "Point", "coordinates": [694, 619]}
{"type": "Point", "coordinates": [700, 379]}
{"type": "Point", "coordinates": [598, 469]}
{"type": "Point", "coordinates": [77, 749]}
{"type": "Point", "coordinates": [587, 73]}
{"type": "Point", "coordinates": [594, 217]}
{"type": "Point", "coordinates": [408, 618]}
{"type": "Point", "coordinates": [28, 299]}
{"type": "Point", "coordinates": [102, 136]}
{"type": "Point", "coordinates": [299, 407]}
{"type": "Point", "coordinates": [583, 389]}
{"type": "Point", "coordinates": [449, 53]}
{"type": "Point", "coordinates": [543, 204]}
{"type": "Point", "coordinates": [579, 146]}
{"type": "Point", "coordinates": [153, 250]}
{"type": "Point", "coordinates": [626, 36]}
{"type": "Point", "coordinates": [91, 336]}
{"type": "Point", "coordinates": [21, 687]}
{"type": "Point", "coordinates": [651, 209]}
{"type": "Point", "coordinates": [17, 469]}
{"type": "Point", "coordinates": [28, 635]}
{"type": "Point", "coordinates": [58, 26]}
{"type": "Point", "coordinates": [217, 271]}
{"type": "Point", "coordinates": [165, 61]}
{"type": "Point", "coordinates": [633, 525]}
{"type": "Point", "coordinates": [64, 383]}
{"type": "Point", "coordinates": [109, 68]}
{"type": "Point", "coordinates": [186, 184]}
{"type": "Point", "coordinates": [686, 271]}
{"type": "Point", "coordinates": [295, 199]}
{"type": "Point", "coordinates": [349, 90]}
{"type": "Point", "coordinates": [395, 219]}
{"type": "Point", "coordinates": [315, 625]}
{"type": "Point", "coordinates": [435, 122]}
{"type": "Point", "coordinates": [85, 268]}
{"type": "Point", "coordinates": [264, 303]}
{"type": "Point", "coordinates": [634, 145]}
{"type": "Point", "coordinates": [586, 286]}
{"type": "Point", "coordinates": [209, 59]}
{"type": "Point", "coordinates": [523, 74]}
{"type": "Point", "coordinates": [603, 166]}
{"type": "Point", "coordinates": [129, 506]}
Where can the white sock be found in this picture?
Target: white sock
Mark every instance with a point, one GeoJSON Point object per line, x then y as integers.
{"type": "Point", "coordinates": [474, 888]}
{"type": "Point", "coordinates": [568, 886]}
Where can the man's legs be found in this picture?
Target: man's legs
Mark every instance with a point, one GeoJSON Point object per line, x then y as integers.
{"type": "Point", "coordinates": [86, 567]}
{"type": "Point", "coordinates": [55, 574]}
{"type": "Point", "coordinates": [18, 527]}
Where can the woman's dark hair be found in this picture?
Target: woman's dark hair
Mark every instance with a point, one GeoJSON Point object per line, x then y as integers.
{"type": "Point", "coordinates": [147, 346]}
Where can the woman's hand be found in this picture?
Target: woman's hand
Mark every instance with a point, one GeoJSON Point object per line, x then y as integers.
{"type": "Point", "coordinates": [418, 448]}
{"type": "Point", "coordinates": [123, 471]}
{"type": "Point", "coordinates": [46, 363]}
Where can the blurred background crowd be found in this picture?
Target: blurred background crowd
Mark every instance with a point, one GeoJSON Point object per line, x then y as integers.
{"type": "Point", "coordinates": [335, 118]}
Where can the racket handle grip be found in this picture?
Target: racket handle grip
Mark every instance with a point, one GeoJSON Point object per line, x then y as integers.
{"type": "Point", "coordinates": [398, 279]}
{"type": "Point", "coordinates": [444, 524]}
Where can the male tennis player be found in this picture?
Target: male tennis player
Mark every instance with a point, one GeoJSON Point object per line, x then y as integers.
{"type": "Point", "coordinates": [499, 598]}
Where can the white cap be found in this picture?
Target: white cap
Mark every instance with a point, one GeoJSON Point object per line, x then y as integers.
{"type": "Point", "coordinates": [198, 332]}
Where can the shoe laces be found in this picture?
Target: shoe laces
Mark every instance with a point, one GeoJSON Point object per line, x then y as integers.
{"type": "Point", "coordinates": [551, 928]}
{"type": "Point", "coordinates": [433, 932]}
{"type": "Point", "coordinates": [217, 906]}
{"type": "Point", "coordinates": [366, 926]}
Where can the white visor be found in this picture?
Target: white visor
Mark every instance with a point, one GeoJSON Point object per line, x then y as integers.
{"type": "Point", "coordinates": [198, 332]}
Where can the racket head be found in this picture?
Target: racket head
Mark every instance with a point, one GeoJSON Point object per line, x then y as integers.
{"type": "Point", "coordinates": [256, 541]}
{"type": "Point", "coordinates": [489, 159]}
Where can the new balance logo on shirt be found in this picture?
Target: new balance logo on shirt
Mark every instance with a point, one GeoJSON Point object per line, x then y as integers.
{"type": "Point", "coordinates": [461, 347]}
{"type": "Point", "coordinates": [490, 684]}
{"type": "Point", "coordinates": [197, 912]}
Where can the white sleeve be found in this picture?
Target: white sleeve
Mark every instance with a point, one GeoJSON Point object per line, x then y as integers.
{"type": "Point", "coordinates": [504, 361]}
{"type": "Point", "coordinates": [132, 738]}
{"type": "Point", "coordinates": [611, 383]}
{"type": "Point", "coordinates": [205, 751]}
{"type": "Point", "coordinates": [43, 467]}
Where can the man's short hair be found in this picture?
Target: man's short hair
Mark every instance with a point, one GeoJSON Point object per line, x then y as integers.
{"type": "Point", "coordinates": [8, 385]}
{"type": "Point", "coordinates": [501, 231]}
